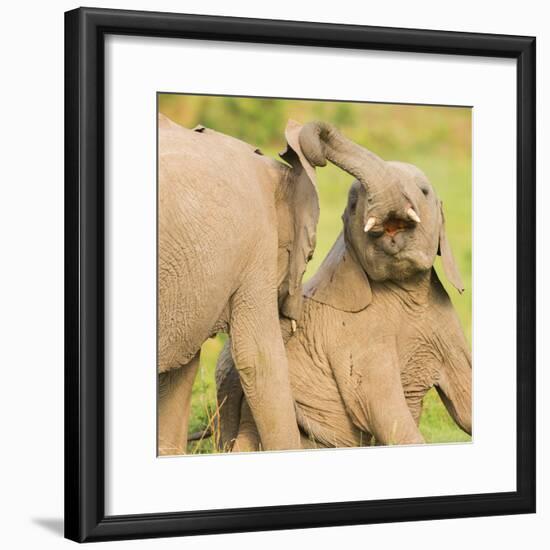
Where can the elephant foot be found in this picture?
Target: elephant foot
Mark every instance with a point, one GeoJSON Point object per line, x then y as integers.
{"type": "Point", "coordinates": [170, 450]}
{"type": "Point", "coordinates": [174, 403]}
{"type": "Point", "coordinates": [246, 442]}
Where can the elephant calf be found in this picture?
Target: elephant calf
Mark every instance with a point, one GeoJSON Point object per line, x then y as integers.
{"type": "Point", "coordinates": [377, 329]}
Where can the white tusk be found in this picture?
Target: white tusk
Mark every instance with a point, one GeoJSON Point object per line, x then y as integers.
{"type": "Point", "coordinates": [413, 215]}
{"type": "Point", "coordinates": [293, 325]}
{"type": "Point", "coordinates": [370, 224]}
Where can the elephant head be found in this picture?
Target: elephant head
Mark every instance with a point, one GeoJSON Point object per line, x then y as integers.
{"type": "Point", "coordinates": [393, 223]}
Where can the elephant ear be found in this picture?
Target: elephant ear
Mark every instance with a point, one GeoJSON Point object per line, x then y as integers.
{"type": "Point", "coordinates": [340, 282]}
{"type": "Point", "coordinates": [449, 264]}
{"type": "Point", "coordinates": [304, 205]}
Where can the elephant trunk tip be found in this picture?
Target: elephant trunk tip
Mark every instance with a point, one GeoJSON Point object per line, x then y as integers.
{"type": "Point", "coordinates": [312, 144]}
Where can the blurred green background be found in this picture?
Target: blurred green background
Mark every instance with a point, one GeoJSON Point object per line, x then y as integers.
{"type": "Point", "coordinates": [436, 139]}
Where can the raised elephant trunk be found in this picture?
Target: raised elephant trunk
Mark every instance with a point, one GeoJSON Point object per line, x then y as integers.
{"type": "Point", "coordinates": [321, 141]}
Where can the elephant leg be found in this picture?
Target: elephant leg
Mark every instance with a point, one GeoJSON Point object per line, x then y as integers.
{"type": "Point", "coordinates": [248, 438]}
{"type": "Point", "coordinates": [229, 399]}
{"type": "Point", "coordinates": [455, 389]}
{"type": "Point", "coordinates": [308, 443]}
{"type": "Point", "coordinates": [174, 403]}
{"type": "Point", "coordinates": [374, 394]}
{"type": "Point", "coordinates": [260, 358]}
{"type": "Point", "coordinates": [390, 419]}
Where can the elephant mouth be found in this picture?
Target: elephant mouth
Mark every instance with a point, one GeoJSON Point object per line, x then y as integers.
{"type": "Point", "coordinates": [393, 235]}
{"type": "Point", "coordinates": [392, 226]}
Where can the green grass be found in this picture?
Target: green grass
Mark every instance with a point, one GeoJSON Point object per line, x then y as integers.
{"type": "Point", "coordinates": [203, 403]}
{"type": "Point", "coordinates": [435, 423]}
{"type": "Point", "coordinates": [436, 139]}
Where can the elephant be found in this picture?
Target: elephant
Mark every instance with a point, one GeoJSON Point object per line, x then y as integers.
{"type": "Point", "coordinates": [377, 329]}
{"type": "Point", "coordinates": [235, 232]}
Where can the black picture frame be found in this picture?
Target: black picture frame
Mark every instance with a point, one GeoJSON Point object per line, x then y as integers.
{"type": "Point", "coordinates": [85, 29]}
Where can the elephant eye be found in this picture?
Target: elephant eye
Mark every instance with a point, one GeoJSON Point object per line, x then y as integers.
{"type": "Point", "coordinates": [425, 191]}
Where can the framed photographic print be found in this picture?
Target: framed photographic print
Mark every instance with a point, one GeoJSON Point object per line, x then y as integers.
{"type": "Point", "coordinates": [300, 274]}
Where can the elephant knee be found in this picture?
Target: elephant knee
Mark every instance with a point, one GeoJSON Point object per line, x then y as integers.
{"type": "Point", "coordinates": [250, 361]}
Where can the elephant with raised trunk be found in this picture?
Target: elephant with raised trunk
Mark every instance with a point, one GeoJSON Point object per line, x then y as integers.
{"type": "Point", "coordinates": [377, 330]}
{"type": "Point", "coordinates": [236, 230]}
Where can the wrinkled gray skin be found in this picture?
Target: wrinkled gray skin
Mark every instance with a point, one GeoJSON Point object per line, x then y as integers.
{"type": "Point", "coordinates": [236, 230]}
{"type": "Point", "coordinates": [377, 329]}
